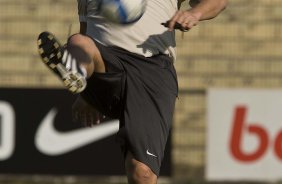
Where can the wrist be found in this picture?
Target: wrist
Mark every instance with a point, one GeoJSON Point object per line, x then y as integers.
{"type": "Point", "coordinates": [196, 14]}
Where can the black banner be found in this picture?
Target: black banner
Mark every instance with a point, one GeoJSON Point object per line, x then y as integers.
{"type": "Point", "coordinates": [38, 136]}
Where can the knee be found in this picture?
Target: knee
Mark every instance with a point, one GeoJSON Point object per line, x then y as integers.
{"type": "Point", "coordinates": [78, 40]}
{"type": "Point", "coordinates": [142, 174]}
{"type": "Point", "coordinates": [84, 43]}
{"type": "Point", "coordinates": [138, 172]}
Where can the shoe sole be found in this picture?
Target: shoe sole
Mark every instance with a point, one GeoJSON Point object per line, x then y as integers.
{"type": "Point", "coordinates": [51, 53]}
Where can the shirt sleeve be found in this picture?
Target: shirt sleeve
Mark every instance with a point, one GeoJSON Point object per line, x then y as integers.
{"type": "Point", "coordinates": [82, 10]}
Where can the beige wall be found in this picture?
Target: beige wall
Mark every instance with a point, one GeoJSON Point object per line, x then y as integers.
{"type": "Point", "coordinates": [21, 22]}
{"type": "Point", "coordinates": [241, 48]}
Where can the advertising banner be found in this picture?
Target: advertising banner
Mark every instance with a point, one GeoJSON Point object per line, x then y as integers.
{"type": "Point", "coordinates": [244, 140]}
{"type": "Point", "coordinates": [38, 136]}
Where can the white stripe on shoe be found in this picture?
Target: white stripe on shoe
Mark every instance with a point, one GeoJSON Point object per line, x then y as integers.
{"type": "Point", "coordinates": [61, 62]}
{"type": "Point", "coordinates": [64, 59]}
{"type": "Point", "coordinates": [74, 66]}
{"type": "Point", "coordinates": [69, 62]}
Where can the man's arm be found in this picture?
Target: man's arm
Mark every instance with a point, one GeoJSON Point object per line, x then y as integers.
{"type": "Point", "coordinates": [82, 13]}
{"type": "Point", "coordinates": [83, 27]}
{"type": "Point", "coordinates": [207, 9]}
{"type": "Point", "coordinates": [201, 10]}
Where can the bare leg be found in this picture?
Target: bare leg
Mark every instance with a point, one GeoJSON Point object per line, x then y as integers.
{"type": "Point", "coordinates": [86, 53]}
{"type": "Point", "coordinates": [137, 172]}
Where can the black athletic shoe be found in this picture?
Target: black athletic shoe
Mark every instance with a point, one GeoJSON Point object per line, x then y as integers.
{"type": "Point", "coordinates": [61, 62]}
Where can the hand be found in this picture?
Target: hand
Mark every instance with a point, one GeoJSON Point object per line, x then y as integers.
{"type": "Point", "coordinates": [186, 19]}
{"type": "Point", "coordinates": [85, 113]}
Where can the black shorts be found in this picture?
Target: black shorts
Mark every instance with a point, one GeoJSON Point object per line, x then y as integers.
{"type": "Point", "coordinates": [141, 93]}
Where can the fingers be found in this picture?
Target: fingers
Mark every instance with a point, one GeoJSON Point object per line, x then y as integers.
{"type": "Point", "coordinates": [185, 19]}
{"type": "Point", "coordinates": [85, 113]}
{"type": "Point", "coordinates": [87, 118]}
{"type": "Point", "coordinates": [75, 116]}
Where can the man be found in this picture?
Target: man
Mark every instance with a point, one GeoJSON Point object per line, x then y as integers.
{"type": "Point", "coordinates": [127, 72]}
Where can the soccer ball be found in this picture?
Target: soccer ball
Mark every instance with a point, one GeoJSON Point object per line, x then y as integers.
{"type": "Point", "coordinates": [122, 11]}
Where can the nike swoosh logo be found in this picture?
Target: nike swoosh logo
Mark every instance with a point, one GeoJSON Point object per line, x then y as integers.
{"type": "Point", "coordinates": [151, 154]}
{"type": "Point", "coordinates": [53, 143]}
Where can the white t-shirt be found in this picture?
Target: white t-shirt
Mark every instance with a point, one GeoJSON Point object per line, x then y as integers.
{"type": "Point", "coordinates": [146, 37]}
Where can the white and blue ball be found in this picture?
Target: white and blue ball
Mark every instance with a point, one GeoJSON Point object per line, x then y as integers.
{"type": "Point", "coordinates": [122, 11]}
